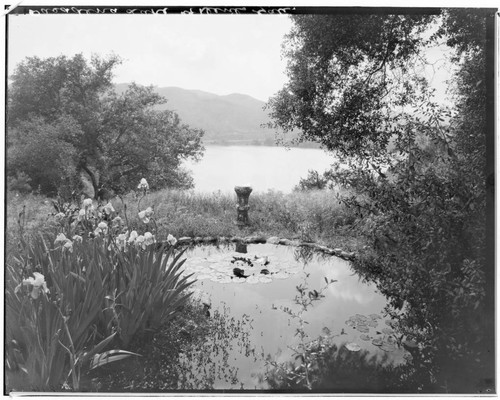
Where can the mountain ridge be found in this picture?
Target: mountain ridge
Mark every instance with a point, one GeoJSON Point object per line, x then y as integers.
{"type": "Point", "coordinates": [231, 119]}
{"type": "Point", "coordinates": [226, 119]}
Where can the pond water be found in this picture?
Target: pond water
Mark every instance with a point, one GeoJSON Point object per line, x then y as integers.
{"type": "Point", "coordinates": [349, 314]}
{"type": "Point", "coordinates": [224, 167]}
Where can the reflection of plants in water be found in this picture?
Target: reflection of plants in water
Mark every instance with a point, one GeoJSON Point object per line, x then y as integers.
{"type": "Point", "coordinates": [190, 353]}
{"type": "Point", "coordinates": [307, 359]}
{"type": "Point", "coordinates": [303, 254]}
{"type": "Point", "coordinates": [336, 369]}
{"type": "Point", "coordinates": [206, 362]}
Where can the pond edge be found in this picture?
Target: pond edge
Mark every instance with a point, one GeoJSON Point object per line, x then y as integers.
{"type": "Point", "coordinates": [338, 252]}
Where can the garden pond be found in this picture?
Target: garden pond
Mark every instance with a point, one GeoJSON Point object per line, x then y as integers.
{"type": "Point", "coordinates": [255, 288]}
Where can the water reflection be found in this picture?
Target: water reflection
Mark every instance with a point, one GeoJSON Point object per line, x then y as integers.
{"type": "Point", "coordinates": [341, 370]}
{"type": "Point", "coordinates": [268, 331]}
{"type": "Point", "coordinates": [241, 248]}
{"type": "Point", "coordinates": [303, 255]}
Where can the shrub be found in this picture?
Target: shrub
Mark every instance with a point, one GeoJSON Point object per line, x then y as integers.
{"type": "Point", "coordinates": [19, 183]}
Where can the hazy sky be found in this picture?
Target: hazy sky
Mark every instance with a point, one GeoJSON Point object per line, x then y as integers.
{"type": "Point", "coordinates": [221, 54]}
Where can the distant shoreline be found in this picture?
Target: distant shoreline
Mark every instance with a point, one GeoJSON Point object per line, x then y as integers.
{"type": "Point", "coordinates": [259, 143]}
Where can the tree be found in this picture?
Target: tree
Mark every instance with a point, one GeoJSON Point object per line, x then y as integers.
{"type": "Point", "coordinates": [114, 140]}
{"type": "Point", "coordinates": [340, 76]}
{"type": "Point", "coordinates": [356, 86]}
{"type": "Point", "coordinates": [42, 154]}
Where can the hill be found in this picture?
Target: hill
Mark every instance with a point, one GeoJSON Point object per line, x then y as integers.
{"type": "Point", "coordinates": [231, 119]}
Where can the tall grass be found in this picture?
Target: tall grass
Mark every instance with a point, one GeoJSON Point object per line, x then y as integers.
{"type": "Point", "coordinates": [310, 215]}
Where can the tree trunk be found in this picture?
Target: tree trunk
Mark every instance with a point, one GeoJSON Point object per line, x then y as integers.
{"type": "Point", "coordinates": [93, 180]}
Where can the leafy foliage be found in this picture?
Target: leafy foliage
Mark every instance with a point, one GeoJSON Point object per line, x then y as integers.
{"type": "Point", "coordinates": [415, 168]}
{"type": "Point", "coordinates": [42, 154]}
{"type": "Point", "coordinates": [87, 293]}
{"type": "Point", "coordinates": [338, 88]}
{"type": "Point", "coordinates": [146, 290]}
{"type": "Point", "coordinates": [314, 181]}
{"type": "Point", "coordinates": [67, 109]}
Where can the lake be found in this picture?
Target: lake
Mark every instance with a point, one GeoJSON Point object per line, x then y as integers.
{"type": "Point", "coordinates": [224, 167]}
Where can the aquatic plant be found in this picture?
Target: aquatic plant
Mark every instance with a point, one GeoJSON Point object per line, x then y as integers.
{"type": "Point", "coordinates": [302, 374]}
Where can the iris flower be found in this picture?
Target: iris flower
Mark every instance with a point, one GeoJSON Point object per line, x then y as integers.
{"type": "Point", "coordinates": [146, 214]}
{"type": "Point", "coordinates": [139, 241]}
{"type": "Point", "coordinates": [81, 214]}
{"type": "Point", "coordinates": [103, 226]}
{"type": "Point", "coordinates": [108, 208]}
{"type": "Point", "coordinates": [68, 245]}
{"type": "Point", "coordinates": [117, 221]}
{"type": "Point", "coordinates": [148, 238]}
{"type": "Point", "coordinates": [60, 216]}
{"type": "Point", "coordinates": [133, 236]}
{"type": "Point", "coordinates": [171, 240]}
{"type": "Point", "coordinates": [121, 241]}
{"type": "Point", "coordinates": [143, 185]}
{"type": "Point", "coordinates": [87, 203]}
{"type": "Point", "coordinates": [61, 238]}
{"type": "Point", "coordinates": [38, 285]}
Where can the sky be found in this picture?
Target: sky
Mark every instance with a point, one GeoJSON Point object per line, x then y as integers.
{"type": "Point", "coordinates": [221, 54]}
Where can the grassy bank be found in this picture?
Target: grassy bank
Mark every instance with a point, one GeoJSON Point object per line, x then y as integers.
{"type": "Point", "coordinates": [312, 216]}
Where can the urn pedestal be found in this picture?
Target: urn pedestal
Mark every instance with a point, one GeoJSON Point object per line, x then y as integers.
{"type": "Point", "coordinates": [243, 193]}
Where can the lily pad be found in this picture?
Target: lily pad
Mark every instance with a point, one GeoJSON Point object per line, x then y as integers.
{"type": "Point", "coordinates": [350, 322]}
{"type": "Point", "coordinates": [353, 346]}
{"type": "Point", "coordinates": [391, 339]}
{"type": "Point", "coordinates": [375, 316]}
{"type": "Point", "coordinates": [364, 337]}
{"type": "Point", "coordinates": [253, 279]}
{"type": "Point", "coordinates": [407, 356]}
{"type": "Point", "coordinates": [203, 276]}
{"type": "Point", "coordinates": [377, 342]}
{"type": "Point", "coordinates": [386, 346]}
{"type": "Point", "coordinates": [387, 331]}
{"type": "Point", "coordinates": [390, 323]}
{"type": "Point", "coordinates": [265, 279]}
{"type": "Point", "coordinates": [372, 323]}
{"type": "Point", "coordinates": [410, 343]}
{"type": "Point", "coordinates": [362, 328]}
{"type": "Point", "coordinates": [280, 275]}
{"type": "Point", "coordinates": [361, 317]}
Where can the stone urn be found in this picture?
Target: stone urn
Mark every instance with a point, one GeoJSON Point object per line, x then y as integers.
{"type": "Point", "coordinates": [243, 193]}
